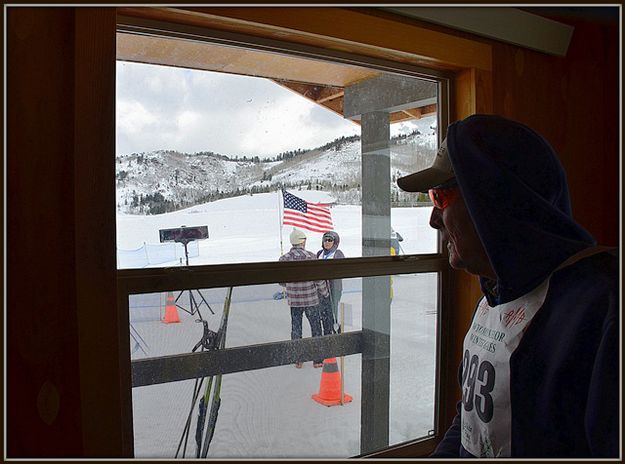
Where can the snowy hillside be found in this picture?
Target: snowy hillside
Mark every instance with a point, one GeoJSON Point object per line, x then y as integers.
{"type": "Point", "coordinates": [161, 181]}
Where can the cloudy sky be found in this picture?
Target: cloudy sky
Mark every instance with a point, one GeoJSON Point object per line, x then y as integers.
{"type": "Point", "coordinates": [160, 107]}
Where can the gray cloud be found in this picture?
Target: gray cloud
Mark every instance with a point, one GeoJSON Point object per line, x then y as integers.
{"type": "Point", "coordinates": [162, 107]}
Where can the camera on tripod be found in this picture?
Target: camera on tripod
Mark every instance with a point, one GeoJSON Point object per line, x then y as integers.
{"type": "Point", "coordinates": [183, 234]}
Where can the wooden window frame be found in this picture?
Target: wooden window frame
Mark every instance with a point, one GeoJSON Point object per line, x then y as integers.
{"type": "Point", "coordinates": [469, 89]}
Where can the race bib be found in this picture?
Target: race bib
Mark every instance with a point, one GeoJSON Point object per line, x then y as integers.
{"type": "Point", "coordinates": [494, 335]}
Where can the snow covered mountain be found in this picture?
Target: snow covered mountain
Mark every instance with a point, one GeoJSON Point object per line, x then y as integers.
{"type": "Point", "coordinates": [162, 181]}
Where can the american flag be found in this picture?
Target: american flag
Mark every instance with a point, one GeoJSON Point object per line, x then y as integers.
{"type": "Point", "coordinates": [310, 216]}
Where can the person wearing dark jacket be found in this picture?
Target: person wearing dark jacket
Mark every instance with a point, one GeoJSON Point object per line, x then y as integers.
{"type": "Point", "coordinates": [540, 371]}
{"type": "Point", "coordinates": [330, 250]}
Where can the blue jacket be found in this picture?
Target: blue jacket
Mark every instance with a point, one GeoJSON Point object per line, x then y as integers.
{"type": "Point", "coordinates": [564, 384]}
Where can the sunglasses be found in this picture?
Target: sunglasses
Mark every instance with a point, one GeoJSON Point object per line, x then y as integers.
{"type": "Point", "coordinates": [328, 239]}
{"type": "Point", "coordinates": [443, 195]}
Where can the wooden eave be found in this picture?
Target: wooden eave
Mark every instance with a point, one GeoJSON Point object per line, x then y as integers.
{"type": "Point", "coordinates": [321, 82]}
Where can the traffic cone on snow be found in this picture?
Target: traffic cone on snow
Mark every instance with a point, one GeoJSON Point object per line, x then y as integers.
{"type": "Point", "coordinates": [171, 312]}
{"type": "Point", "coordinates": [330, 389]}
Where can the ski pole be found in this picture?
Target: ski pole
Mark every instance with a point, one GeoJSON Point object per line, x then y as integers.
{"type": "Point", "coordinates": [187, 425]}
{"type": "Point", "coordinates": [216, 403]}
{"type": "Point", "coordinates": [202, 417]}
{"type": "Point", "coordinates": [209, 341]}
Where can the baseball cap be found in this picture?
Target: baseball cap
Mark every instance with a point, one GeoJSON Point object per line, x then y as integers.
{"type": "Point", "coordinates": [439, 172]}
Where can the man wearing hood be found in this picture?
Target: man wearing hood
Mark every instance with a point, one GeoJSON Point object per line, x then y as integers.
{"type": "Point", "coordinates": [540, 369]}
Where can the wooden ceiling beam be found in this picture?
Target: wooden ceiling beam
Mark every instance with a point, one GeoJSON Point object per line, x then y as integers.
{"type": "Point", "coordinates": [305, 90]}
{"type": "Point", "coordinates": [316, 93]}
{"type": "Point", "coordinates": [400, 116]}
{"type": "Point", "coordinates": [329, 93]}
{"type": "Point", "coordinates": [428, 110]}
{"type": "Point", "coordinates": [413, 113]}
{"type": "Point", "coordinates": [331, 98]}
{"type": "Point", "coordinates": [335, 105]}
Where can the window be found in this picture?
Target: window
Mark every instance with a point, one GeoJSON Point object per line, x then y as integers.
{"type": "Point", "coordinates": [386, 124]}
{"type": "Point", "coordinates": [269, 412]}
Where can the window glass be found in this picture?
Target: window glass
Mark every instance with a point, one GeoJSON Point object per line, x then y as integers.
{"type": "Point", "coordinates": [413, 356]}
{"type": "Point", "coordinates": [227, 155]}
{"type": "Point", "coordinates": [267, 413]}
{"type": "Point", "coordinates": [253, 151]}
{"type": "Point", "coordinates": [270, 413]}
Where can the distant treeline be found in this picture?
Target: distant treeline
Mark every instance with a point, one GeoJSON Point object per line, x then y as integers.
{"type": "Point", "coordinates": [336, 144]}
{"type": "Point", "coordinates": [345, 193]}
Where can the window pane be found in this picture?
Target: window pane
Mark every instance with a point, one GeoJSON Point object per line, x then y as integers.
{"type": "Point", "coordinates": [197, 147]}
{"type": "Point", "coordinates": [269, 413]}
{"type": "Point", "coordinates": [413, 356]}
{"type": "Point", "coordinates": [266, 413]}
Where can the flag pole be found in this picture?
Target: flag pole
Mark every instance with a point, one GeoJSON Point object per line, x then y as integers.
{"type": "Point", "coordinates": [280, 219]}
{"type": "Point", "coordinates": [280, 201]}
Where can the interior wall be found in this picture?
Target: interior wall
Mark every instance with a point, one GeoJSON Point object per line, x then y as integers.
{"type": "Point", "coordinates": [43, 387]}
{"type": "Point", "coordinates": [63, 376]}
{"type": "Point", "coordinates": [574, 103]}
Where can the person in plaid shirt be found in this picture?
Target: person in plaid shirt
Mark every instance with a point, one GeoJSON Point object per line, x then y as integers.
{"type": "Point", "coordinates": [304, 297]}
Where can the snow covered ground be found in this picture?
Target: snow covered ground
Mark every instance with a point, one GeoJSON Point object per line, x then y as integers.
{"type": "Point", "coordinates": [247, 228]}
{"type": "Point", "coordinates": [269, 413]}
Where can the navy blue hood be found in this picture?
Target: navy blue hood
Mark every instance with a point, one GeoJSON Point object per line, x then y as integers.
{"type": "Point", "coordinates": [516, 193]}
{"type": "Point", "coordinates": [335, 245]}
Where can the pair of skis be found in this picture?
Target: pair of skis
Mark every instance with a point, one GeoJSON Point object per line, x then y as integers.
{"type": "Point", "coordinates": [205, 430]}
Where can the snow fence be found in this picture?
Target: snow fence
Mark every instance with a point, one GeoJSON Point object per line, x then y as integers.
{"type": "Point", "coordinates": [148, 255]}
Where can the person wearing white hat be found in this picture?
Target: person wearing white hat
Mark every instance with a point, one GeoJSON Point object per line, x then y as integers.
{"type": "Point", "coordinates": [539, 375]}
{"type": "Point", "coordinates": [304, 297]}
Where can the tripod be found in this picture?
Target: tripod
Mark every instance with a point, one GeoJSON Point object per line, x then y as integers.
{"type": "Point", "coordinates": [194, 303]}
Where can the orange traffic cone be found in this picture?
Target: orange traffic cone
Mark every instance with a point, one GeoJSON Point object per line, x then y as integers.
{"type": "Point", "coordinates": [330, 388]}
{"type": "Point", "coordinates": [171, 312]}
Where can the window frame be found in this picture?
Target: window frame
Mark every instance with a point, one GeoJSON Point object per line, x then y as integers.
{"type": "Point", "coordinates": [132, 281]}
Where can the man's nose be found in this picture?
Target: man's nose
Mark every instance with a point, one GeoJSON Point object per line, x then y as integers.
{"type": "Point", "coordinates": [436, 219]}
